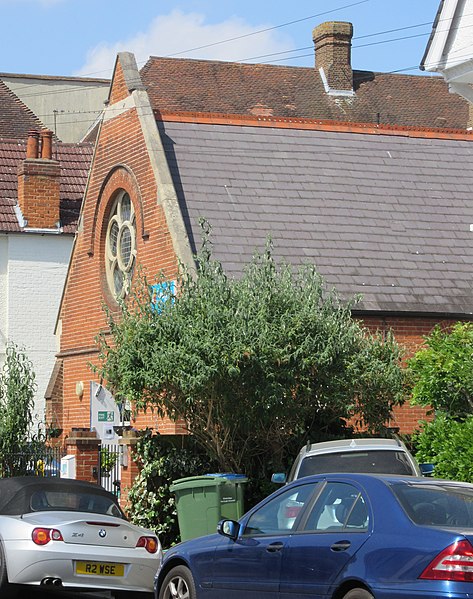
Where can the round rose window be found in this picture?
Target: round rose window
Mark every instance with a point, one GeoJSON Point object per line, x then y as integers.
{"type": "Point", "coordinates": [121, 246]}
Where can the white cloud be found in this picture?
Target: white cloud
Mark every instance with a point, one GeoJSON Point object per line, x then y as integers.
{"type": "Point", "coordinates": [177, 32]}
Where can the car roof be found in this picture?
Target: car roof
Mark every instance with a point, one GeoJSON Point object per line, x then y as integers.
{"type": "Point", "coordinates": [353, 445]}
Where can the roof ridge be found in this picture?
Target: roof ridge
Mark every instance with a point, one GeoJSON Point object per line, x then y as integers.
{"type": "Point", "coordinates": [309, 123]}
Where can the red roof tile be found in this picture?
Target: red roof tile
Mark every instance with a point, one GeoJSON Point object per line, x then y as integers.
{"type": "Point", "coordinates": [177, 84]}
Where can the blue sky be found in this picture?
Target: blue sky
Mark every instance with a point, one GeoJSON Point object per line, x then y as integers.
{"type": "Point", "coordinates": [82, 37]}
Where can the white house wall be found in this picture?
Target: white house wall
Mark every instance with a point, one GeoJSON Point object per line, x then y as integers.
{"type": "Point", "coordinates": [3, 295]}
{"type": "Point", "coordinates": [459, 48]}
{"type": "Point", "coordinates": [30, 291]}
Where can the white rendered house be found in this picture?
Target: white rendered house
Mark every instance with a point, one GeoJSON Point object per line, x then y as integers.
{"type": "Point", "coordinates": [41, 187]}
{"type": "Point", "coordinates": [449, 50]}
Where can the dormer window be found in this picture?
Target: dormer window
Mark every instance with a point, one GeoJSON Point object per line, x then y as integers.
{"type": "Point", "coordinates": [121, 246]}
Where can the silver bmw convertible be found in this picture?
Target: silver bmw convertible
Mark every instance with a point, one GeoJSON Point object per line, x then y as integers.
{"type": "Point", "coordinates": [71, 534]}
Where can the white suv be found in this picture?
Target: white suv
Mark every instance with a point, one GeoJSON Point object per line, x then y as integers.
{"type": "Point", "coordinates": [373, 455]}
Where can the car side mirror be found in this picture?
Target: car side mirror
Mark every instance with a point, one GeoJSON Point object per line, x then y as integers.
{"type": "Point", "coordinates": [228, 528]}
{"type": "Point", "coordinates": [279, 478]}
{"type": "Point", "coordinates": [427, 469]}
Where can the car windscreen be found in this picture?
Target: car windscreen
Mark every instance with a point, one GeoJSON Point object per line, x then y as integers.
{"type": "Point", "coordinates": [371, 461]}
{"type": "Point", "coordinates": [437, 504]}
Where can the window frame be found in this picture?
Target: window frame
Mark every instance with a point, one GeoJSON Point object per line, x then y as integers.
{"type": "Point", "coordinates": [124, 221]}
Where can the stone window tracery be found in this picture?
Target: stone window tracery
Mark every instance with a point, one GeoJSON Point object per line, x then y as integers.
{"type": "Point", "coordinates": [120, 246]}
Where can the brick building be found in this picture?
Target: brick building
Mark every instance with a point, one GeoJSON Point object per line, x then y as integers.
{"type": "Point", "coordinates": [366, 175]}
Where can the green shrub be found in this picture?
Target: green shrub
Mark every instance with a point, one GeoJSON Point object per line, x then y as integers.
{"type": "Point", "coordinates": [447, 443]}
{"type": "Point", "coordinates": [151, 504]}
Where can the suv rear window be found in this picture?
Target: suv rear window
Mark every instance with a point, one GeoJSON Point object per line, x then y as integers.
{"type": "Point", "coordinates": [375, 462]}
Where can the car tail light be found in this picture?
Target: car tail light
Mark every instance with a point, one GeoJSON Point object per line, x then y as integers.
{"type": "Point", "coordinates": [149, 543]}
{"type": "Point", "coordinates": [42, 536]}
{"type": "Point", "coordinates": [453, 563]}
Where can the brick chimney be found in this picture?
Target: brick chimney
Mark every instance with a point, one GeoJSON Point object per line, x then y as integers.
{"type": "Point", "coordinates": [332, 41]}
{"type": "Point", "coordinates": [38, 183]}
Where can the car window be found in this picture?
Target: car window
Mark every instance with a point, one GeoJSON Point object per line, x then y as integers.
{"type": "Point", "coordinates": [374, 461]}
{"type": "Point", "coordinates": [53, 500]}
{"type": "Point", "coordinates": [339, 507]}
{"type": "Point", "coordinates": [281, 513]}
{"type": "Point", "coordinates": [437, 504]}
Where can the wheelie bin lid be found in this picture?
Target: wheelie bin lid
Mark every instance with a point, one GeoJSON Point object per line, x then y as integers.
{"type": "Point", "coordinates": [194, 482]}
{"type": "Point", "coordinates": [230, 476]}
{"type": "Point", "coordinates": [205, 480]}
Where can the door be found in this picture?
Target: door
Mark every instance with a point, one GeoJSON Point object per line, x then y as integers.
{"type": "Point", "coordinates": [333, 531]}
{"type": "Point", "coordinates": [250, 567]}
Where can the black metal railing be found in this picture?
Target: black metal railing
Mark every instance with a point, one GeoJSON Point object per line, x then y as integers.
{"type": "Point", "coordinates": [46, 462]}
{"type": "Point", "coordinates": [110, 467]}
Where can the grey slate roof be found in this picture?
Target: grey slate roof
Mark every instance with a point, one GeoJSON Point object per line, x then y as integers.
{"type": "Point", "coordinates": [387, 216]}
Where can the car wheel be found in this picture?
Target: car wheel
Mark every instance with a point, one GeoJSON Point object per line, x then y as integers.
{"type": "Point", "coordinates": [178, 584]}
{"type": "Point", "coordinates": [358, 594]}
{"type": "Point", "coordinates": [6, 589]}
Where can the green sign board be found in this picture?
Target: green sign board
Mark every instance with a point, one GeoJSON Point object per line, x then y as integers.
{"type": "Point", "coordinates": [106, 416]}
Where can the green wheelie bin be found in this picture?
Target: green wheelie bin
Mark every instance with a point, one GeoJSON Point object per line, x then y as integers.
{"type": "Point", "coordinates": [202, 501]}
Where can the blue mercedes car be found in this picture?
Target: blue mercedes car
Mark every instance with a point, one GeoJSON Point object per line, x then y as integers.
{"type": "Point", "coordinates": [335, 536]}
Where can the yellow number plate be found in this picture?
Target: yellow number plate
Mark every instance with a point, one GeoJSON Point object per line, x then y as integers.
{"type": "Point", "coordinates": [100, 569]}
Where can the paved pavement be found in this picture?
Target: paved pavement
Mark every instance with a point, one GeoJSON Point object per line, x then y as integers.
{"type": "Point", "coordinates": [30, 593]}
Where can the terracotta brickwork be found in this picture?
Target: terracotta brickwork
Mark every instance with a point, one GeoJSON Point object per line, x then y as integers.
{"type": "Point", "coordinates": [38, 192]}
{"type": "Point", "coordinates": [121, 163]}
{"type": "Point", "coordinates": [84, 445]}
{"type": "Point", "coordinates": [54, 404]}
{"type": "Point", "coordinates": [410, 332]}
{"type": "Point", "coordinates": [119, 90]}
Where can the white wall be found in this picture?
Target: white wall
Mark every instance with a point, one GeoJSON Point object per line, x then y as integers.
{"type": "Point", "coordinates": [459, 48]}
{"type": "Point", "coordinates": [3, 295]}
{"type": "Point", "coordinates": [32, 287]}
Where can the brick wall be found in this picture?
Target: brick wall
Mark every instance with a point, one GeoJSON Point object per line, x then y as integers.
{"type": "Point", "coordinates": [121, 162]}
{"type": "Point", "coordinates": [332, 41]}
{"type": "Point", "coordinates": [38, 192]}
{"type": "Point", "coordinates": [410, 333]}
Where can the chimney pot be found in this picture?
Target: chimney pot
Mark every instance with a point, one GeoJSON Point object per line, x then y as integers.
{"type": "Point", "coordinates": [32, 145]}
{"type": "Point", "coordinates": [332, 41]}
{"type": "Point", "coordinates": [46, 144]}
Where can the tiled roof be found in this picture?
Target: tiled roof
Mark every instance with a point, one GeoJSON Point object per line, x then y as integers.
{"type": "Point", "coordinates": [388, 216]}
{"type": "Point", "coordinates": [15, 118]}
{"type": "Point", "coordinates": [183, 84]}
{"type": "Point", "coordinates": [75, 161]}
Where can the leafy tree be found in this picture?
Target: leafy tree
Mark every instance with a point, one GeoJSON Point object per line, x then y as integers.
{"type": "Point", "coordinates": [446, 442]}
{"type": "Point", "coordinates": [17, 388]}
{"type": "Point", "coordinates": [249, 364]}
{"type": "Point", "coordinates": [442, 372]}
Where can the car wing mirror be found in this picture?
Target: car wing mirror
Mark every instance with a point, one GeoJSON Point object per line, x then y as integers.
{"type": "Point", "coordinates": [228, 528]}
{"type": "Point", "coordinates": [279, 478]}
{"type": "Point", "coordinates": [427, 469]}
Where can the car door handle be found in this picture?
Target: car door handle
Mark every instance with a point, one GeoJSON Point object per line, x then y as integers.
{"type": "Point", "coordinates": [274, 547]}
{"type": "Point", "coordinates": [340, 546]}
